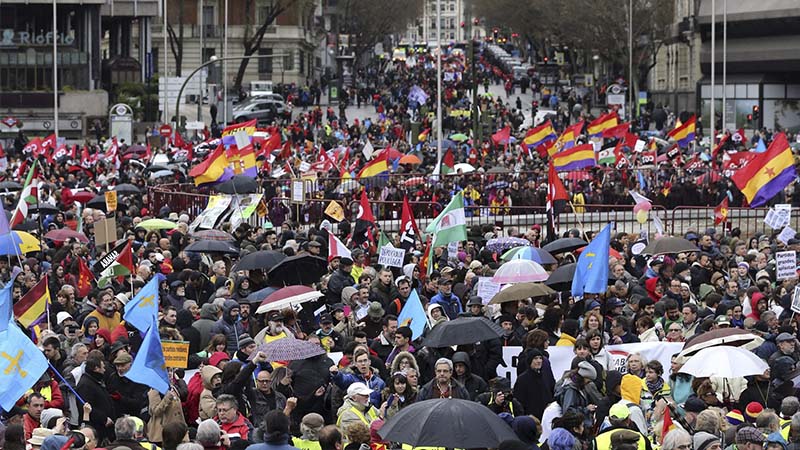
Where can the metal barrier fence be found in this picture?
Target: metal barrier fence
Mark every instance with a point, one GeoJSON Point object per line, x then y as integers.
{"type": "Point", "coordinates": [677, 221]}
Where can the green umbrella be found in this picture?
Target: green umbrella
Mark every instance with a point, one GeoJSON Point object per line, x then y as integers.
{"type": "Point", "coordinates": [460, 137]}
{"type": "Point", "coordinates": [157, 224]}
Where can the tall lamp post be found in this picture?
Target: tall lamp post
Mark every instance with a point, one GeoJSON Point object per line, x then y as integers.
{"type": "Point", "coordinates": [55, 70]}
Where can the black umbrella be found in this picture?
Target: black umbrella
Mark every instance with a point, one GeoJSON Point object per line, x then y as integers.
{"type": "Point", "coordinates": [668, 245]}
{"type": "Point", "coordinates": [27, 225]}
{"type": "Point", "coordinates": [10, 185]}
{"type": "Point", "coordinates": [564, 245]}
{"type": "Point", "coordinates": [258, 296]}
{"type": "Point", "coordinates": [447, 422]}
{"type": "Point", "coordinates": [263, 259]}
{"type": "Point", "coordinates": [156, 168]}
{"type": "Point", "coordinates": [301, 269]}
{"type": "Point", "coordinates": [127, 189]}
{"type": "Point", "coordinates": [561, 278]}
{"type": "Point", "coordinates": [43, 208]}
{"type": "Point", "coordinates": [463, 330]}
{"type": "Point", "coordinates": [98, 202]}
{"type": "Point", "coordinates": [212, 247]}
{"type": "Point", "coordinates": [239, 184]}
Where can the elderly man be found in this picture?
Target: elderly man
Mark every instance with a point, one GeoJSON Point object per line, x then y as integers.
{"type": "Point", "coordinates": [125, 431]}
{"type": "Point", "coordinates": [211, 437]}
{"type": "Point", "coordinates": [357, 407]}
{"type": "Point", "coordinates": [443, 385]}
{"type": "Point", "coordinates": [230, 420]}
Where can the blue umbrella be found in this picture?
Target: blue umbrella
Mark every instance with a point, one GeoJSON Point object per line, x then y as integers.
{"type": "Point", "coordinates": [446, 143]}
{"type": "Point", "coordinates": [534, 254]}
{"type": "Point", "coordinates": [9, 244]}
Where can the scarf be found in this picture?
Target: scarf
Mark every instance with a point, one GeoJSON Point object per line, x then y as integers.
{"type": "Point", "coordinates": [656, 386]}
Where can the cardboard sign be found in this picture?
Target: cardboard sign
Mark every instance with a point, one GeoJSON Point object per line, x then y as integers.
{"type": "Point", "coordinates": [786, 234]}
{"type": "Point", "coordinates": [105, 231]}
{"type": "Point", "coordinates": [176, 354]}
{"type": "Point", "coordinates": [796, 300]}
{"type": "Point", "coordinates": [487, 289]}
{"type": "Point", "coordinates": [111, 201]}
{"type": "Point", "coordinates": [390, 256]}
{"type": "Point", "coordinates": [785, 265]}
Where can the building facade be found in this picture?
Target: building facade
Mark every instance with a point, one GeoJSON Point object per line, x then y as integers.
{"type": "Point", "coordinates": [453, 26]}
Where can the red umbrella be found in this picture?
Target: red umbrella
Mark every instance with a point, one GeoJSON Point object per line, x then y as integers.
{"type": "Point", "coordinates": [63, 234]}
{"type": "Point", "coordinates": [83, 196]}
{"type": "Point", "coordinates": [288, 296]}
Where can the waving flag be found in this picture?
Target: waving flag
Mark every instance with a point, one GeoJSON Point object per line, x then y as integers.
{"type": "Point", "coordinates": [413, 315]}
{"type": "Point", "coordinates": [21, 365]}
{"type": "Point", "coordinates": [567, 139]}
{"type": "Point", "coordinates": [448, 163]}
{"type": "Point", "coordinates": [684, 133]}
{"type": "Point", "coordinates": [230, 131]}
{"type": "Point", "coordinates": [148, 366]}
{"type": "Point", "coordinates": [365, 223]}
{"type": "Point", "coordinates": [85, 278]}
{"type": "Point", "coordinates": [575, 158]}
{"type": "Point", "coordinates": [33, 304]}
{"type": "Point", "coordinates": [118, 262]}
{"type": "Point", "coordinates": [336, 249]}
{"type": "Point", "coordinates": [721, 212]}
{"type": "Point", "coordinates": [375, 167]}
{"type": "Point", "coordinates": [502, 136]}
{"type": "Point", "coordinates": [33, 147]}
{"type": "Point", "coordinates": [602, 123]}
{"type": "Point", "coordinates": [408, 227]}
{"type": "Point", "coordinates": [540, 135]}
{"type": "Point", "coordinates": [451, 224]}
{"type": "Point", "coordinates": [142, 311]}
{"type": "Point", "coordinates": [591, 271]}
{"type": "Point", "coordinates": [27, 198]}
{"type": "Point", "coordinates": [767, 173]}
{"type": "Point", "coordinates": [214, 169]}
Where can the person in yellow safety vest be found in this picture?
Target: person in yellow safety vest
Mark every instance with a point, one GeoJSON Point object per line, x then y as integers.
{"type": "Point", "coordinates": [789, 407]}
{"type": "Point", "coordinates": [309, 431]}
{"type": "Point", "coordinates": [138, 434]}
{"type": "Point", "coordinates": [620, 418]}
{"type": "Point", "coordinates": [357, 407]}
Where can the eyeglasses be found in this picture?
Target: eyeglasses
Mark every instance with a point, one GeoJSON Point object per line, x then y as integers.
{"type": "Point", "coordinates": [674, 329]}
{"type": "Point", "coordinates": [264, 381]}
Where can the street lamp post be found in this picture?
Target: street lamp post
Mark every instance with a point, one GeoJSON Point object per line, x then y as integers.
{"type": "Point", "coordinates": [55, 71]}
{"type": "Point", "coordinates": [713, 119]}
{"type": "Point", "coordinates": [630, 59]}
{"type": "Point", "coordinates": [438, 86]}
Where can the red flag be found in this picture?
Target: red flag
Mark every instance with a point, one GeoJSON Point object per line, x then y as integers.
{"type": "Point", "coordinates": [85, 277]}
{"type": "Point", "coordinates": [695, 163]}
{"type": "Point", "coordinates": [408, 227]}
{"type": "Point", "coordinates": [273, 143]}
{"type": "Point", "coordinates": [324, 157]}
{"type": "Point", "coordinates": [621, 161]}
{"type": "Point", "coordinates": [667, 426]}
{"type": "Point", "coordinates": [2, 152]}
{"type": "Point", "coordinates": [423, 262]}
{"type": "Point", "coordinates": [365, 222]}
{"type": "Point", "coordinates": [555, 191]}
{"type": "Point", "coordinates": [502, 136]}
{"type": "Point", "coordinates": [48, 142]}
{"type": "Point", "coordinates": [149, 153]}
{"type": "Point", "coordinates": [112, 152]}
{"type": "Point", "coordinates": [721, 212]}
{"type": "Point", "coordinates": [618, 131]}
{"type": "Point", "coordinates": [739, 137]}
{"type": "Point", "coordinates": [719, 146]}
{"type": "Point", "coordinates": [60, 153]}
{"type": "Point", "coordinates": [287, 150]}
{"type": "Point", "coordinates": [87, 160]}
{"type": "Point", "coordinates": [33, 147]}
{"type": "Point", "coordinates": [73, 152]}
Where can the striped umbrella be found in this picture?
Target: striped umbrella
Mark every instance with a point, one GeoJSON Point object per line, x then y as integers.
{"type": "Point", "coordinates": [289, 350]}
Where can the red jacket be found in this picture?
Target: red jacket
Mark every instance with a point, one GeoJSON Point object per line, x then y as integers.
{"type": "Point", "coordinates": [191, 407]}
{"type": "Point", "coordinates": [241, 425]}
{"type": "Point", "coordinates": [52, 399]}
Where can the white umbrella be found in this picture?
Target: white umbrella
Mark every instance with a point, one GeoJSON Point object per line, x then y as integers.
{"type": "Point", "coordinates": [520, 271]}
{"type": "Point", "coordinates": [463, 168]}
{"type": "Point", "coordinates": [724, 362]}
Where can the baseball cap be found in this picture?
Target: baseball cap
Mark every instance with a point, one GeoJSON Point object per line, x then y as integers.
{"type": "Point", "coordinates": [619, 411]}
{"type": "Point", "coordinates": [358, 389]}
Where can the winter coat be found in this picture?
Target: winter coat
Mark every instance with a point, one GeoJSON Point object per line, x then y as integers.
{"type": "Point", "coordinates": [474, 384]}
{"type": "Point", "coordinates": [229, 327]}
{"type": "Point", "coordinates": [343, 380]}
{"type": "Point", "coordinates": [163, 410]}
{"type": "Point", "coordinates": [93, 390]}
{"type": "Point", "coordinates": [206, 323]}
{"type": "Point", "coordinates": [338, 281]}
{"type": "Point", "coordinates": [456, 391]}
{"type": "Point", "coordinates": [534, 390]}
{"type": "Point", "coordinates": [263, 403]}
{"type": "Point", "coordinates": [208, 403]}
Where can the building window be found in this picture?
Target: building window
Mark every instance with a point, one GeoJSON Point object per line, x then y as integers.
{"type": "Point", "coordinates": [263, 8]}
{"type": "Point", "coordinates": [288, 60]}
{"type": "Point", "coordinates": [302, 62]}
{"type": "Point", "coordinates": [265, 64]}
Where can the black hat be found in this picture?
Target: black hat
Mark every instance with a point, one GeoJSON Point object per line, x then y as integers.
{"type": "Point", "coordinates": [444, 281]}
{"type": "Point", "coordinates": [475, 300]}
{"type": "Point", "coordinates": [346, 261]}
{"type": "Point", "coordinates": [337, 307]}
{"type": "Point", "coordinates": [274, 316]}
{"type": "Point", "coordinates": [695, 405]}
{"type": "Point", "coordinates": [325, 318]}
{"type": "Point", "coordinates": [176, 284]}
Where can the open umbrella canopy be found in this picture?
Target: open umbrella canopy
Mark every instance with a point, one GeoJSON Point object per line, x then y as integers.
{"type": "Point", "coordinates": [10, 185]}
{"type": "Point", "coordinates": [239, 184]}
{"type": "Point", "coordinates": [519, 271]}
{"type": "Point", "coordinates": [669, 245]}
{"type": "Point", "coordinates": [446, 143]}
{"type": "Point", "coordinates": [459, 137]}
{"type": "Point", "coordinates": [259, 295]}
{"type": "Point", "coordinates": [301, 269]}
{"type": "Point", "coordinates": [410, 159]}
{"type": "Point", "coordinates": [462, 330]}
{"type": "Point", "coordinates": [27, 225]}
{"type": "Point", "coordinates": [18, 242]}
{"type": "Point", "coordinates": [157, 224]}
{"type": "Point", "coordinates": [221, 247]}
{"type": "Point", "coordinates": [160, 174]}
{"type": "Point", "coordinates": [127, 189]}
{"type": "Point", "coordinates": [735, 337]}
{"type": "Point", "coordinates": [564, 245]}
{"type": "Point", "coordinates": [43, 208]}
{"type": "Point", "coordinates": [262, 259]}
{"type": "Point", "coordinates": [521, 291]}
{"type": "Point", "coordinates": [724, 362]}
{"type": "Point", "coordinates": [447, 423]}
{"type": "Point", "coordinates": [414, 181]}
{"type": "Point", "coordinates": [62, 234]}
{"type": "Point", "coordinates": [504, 243]}
{"type": "Point", "coordinates": [291, 295]}
{"type": "Point", "coordinates": [82, 197]}
{"type": "Point", "coordinates": [212, 235]}
{"type": "Point", "coordinates": [534, 254]}
{"type": "Point", "coordinates": [289, 350]}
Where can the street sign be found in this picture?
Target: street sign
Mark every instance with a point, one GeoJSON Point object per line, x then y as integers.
{"type": "Point", "coordinates": [165, 130]}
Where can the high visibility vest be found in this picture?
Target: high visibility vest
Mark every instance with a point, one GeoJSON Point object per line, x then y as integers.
{"type": "Point", "coordinates": [603, 440]}
{"type": "Point", "coordinates": [370, 412]}
{"type": "Point", "coordinates": [786, 427]}
{"type": "Point", "coordinates": [306, 444]}
{"type": "Point", "coordinates": [45, 391]}
{"type": "Point", "coordinates": [149, 446]}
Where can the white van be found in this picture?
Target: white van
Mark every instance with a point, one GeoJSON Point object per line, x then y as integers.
{"type": "Point", "coordinates": [258, 88]}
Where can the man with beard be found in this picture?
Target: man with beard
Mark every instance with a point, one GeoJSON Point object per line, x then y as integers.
{"type": "Point", "coordinates": [229, 325]}
{"type": "Point", "coordinates": [177, 294]}
{"type": "Point", "coordinates": [244, 317]}
{"type": "Point", "coordinates": [106, 312]}
{"type": "Point", "coordinates": [274, 330]}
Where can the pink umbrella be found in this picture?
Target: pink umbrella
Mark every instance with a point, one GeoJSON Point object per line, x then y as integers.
{"type": "Point", "coordinates": [63, 234]}
{"type": "Point", "coordinates": [520, 271]}
{"type": "Point", "coordinates": [291, 295]}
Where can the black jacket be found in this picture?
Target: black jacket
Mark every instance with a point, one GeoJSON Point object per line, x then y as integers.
{"type": "Point", "coordinates": [338, 281]}
{"type": "Point", "coordinates": [534, 390]}
{"type": "Point", "coordinates": [474, 384]}
{"type": "Point", "coordinates": [93, 390]}
{"type": "Point", "coordinates": [132, 398]}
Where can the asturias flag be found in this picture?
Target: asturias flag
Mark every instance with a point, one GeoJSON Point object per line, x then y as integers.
{"type": "Point", "coordinates": [142, 311]}
{"type": "Point", "coordinates": [148, 366]}
{"type": "Point", "coordinates": [21, 365]}
{"type": "Point", "coordinates": [413, 315]}
{"type": "Point", "coordinates": [767, 173]}
{"type": "Point", "coordinates": [591, 271]}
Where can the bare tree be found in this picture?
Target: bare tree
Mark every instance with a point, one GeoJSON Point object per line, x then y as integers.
{"type": "Point", "coordinates": [253, 37]}
{"type": "Point", "coordinates": [370, 21]}
{"type": "Point", "coordinates": [176, 40]}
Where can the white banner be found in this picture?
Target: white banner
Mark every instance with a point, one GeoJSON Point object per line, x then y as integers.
{"type": "Point", "coordinates": [561, 357]}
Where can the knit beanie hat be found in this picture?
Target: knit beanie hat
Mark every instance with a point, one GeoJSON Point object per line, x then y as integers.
{"type": "Point", "coordinates": [734, 417]}
{"type": "Point", "coordinates": [752, 411]}
{"type": "Point", "coordinates": [702, 440]}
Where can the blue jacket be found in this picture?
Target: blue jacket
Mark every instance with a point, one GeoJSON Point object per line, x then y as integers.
{"type": "Point", "coordinates": [344, 380]}
{"type": "Point", "coordinates": [451, 305]}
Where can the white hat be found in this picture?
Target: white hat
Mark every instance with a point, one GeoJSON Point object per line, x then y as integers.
{"type": "Point", "coordinates": [122, 298]}
{"type": "Point", "coordinates": [184, 218]}
{"type": "Point", "coordinates": [62, 316]}
{"type": "Point", "coordinates": [39, 435]}
{"type": "Point", "coordinates": [159, 257]}
{"type": "Point", "coordinates": [358, 389]}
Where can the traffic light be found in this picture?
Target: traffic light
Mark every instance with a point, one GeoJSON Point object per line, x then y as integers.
{"type": "Point", "coordinates": [756, 113]}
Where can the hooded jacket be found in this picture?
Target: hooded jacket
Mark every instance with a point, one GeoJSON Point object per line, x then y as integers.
{"type": "Point", "coordinates": [534, 390]}
{"type": "Point", "coordinates": [631, 389]}
{"type": "Point", "coordinates": [474, 384]}
{"type": "Point", "coordinates": [230, 327]}
{"type": "Point", "coordinates": [208, 317]}
{"type": "Point", "coordinates": [208, 401]}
